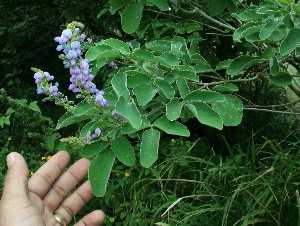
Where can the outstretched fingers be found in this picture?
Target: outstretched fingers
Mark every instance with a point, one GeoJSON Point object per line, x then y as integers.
{"type": "Point", "coordinates": [73, 204]}
{"type": "Point", "coordinates": [94, 218]}
{"type": "Point", "coordinates": [66, 183]}
{"type": "Point", "coordinates": [43, 179]}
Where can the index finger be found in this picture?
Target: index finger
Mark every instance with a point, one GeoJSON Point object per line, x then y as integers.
{"type": "Point", "coordinates": [43, 179]}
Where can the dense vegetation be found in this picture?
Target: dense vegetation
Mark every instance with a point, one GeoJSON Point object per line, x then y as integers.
{"type": "Point", "coordinates": [204, 94]}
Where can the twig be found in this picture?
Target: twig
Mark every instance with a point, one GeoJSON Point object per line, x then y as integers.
{"type": "Point", "coordinates": [227, 81]}
{"type": "Point", "coordinates": [272, 111]}
{"type": "Point", "coordinates": [272, 106]}
{"type": "Point", "coordinates": [203, 14]}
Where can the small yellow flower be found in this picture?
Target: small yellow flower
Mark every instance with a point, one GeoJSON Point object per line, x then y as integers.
{"type": "Point", "coordinates": [145, 190]}
{"type": "Point", "coordinates": [9, 138]}
{"type": "Point", "coordinates": [126, 174]}
{"type": "Point", "coordinates": [43, 158]}
{"type": "Point", "coordinates": [49, 157]}
{"type": "Point", "coordinates": [172, 140]}
{"type": "Point", "coordinates": [112, 219]}
{"type": "Point", "coordinates": [31, 174]}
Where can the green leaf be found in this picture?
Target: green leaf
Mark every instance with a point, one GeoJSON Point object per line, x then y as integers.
{"type": "Point", "coordinates": [288, 21]}
{"type": "Point", "coordinates": [94, 148]}
{"type": "Point", "coordinates": [50, 141]}
{"type": "Point", "coordinates": [166, 88]}
{"type": "Point", "coordinates": [182, 87]}
{"type": "Point", "coordinates": [33, 106]}
{"type": "Point", "coordinates": [231, 110]}
{"type": "Point", "coordinates": [206, 115]}
{"type": "Point", "coordinates": [201, 95]}
{"type": "Point", "coordinates": [131, 17]}
{"type": "Point", "coordinates": [186, 72]}
{"type": "Point", "coordinates": [296, 8]}
{"type": "Point", "coordinates": [216, 7]}
{"type": "Point", "coordinates": [282, 79]}
{"type": "Point", "coordinates": [111, 98]}
{"type": "Point", "coordinates": [193, 26]}
{"type": "Point", "coordinates": [139, 79]}
{"type": "Point", "coordinates": [201, 65]}
{"type": "Point", "coordinates": [238, 32]}
{"type": "Point", "coordinates": [279, 34]}
{"type": "Point", "coordinates": [115, 5]}
{"type": "Point", "coordinates": [99, 172]}
{"type": "Point", "coordinates": [68, 119]}
{"type": "Point", "coordinates": [159, 46]}
{"type": "Point", "coordinates": [268, 53]}
{"type": "Point", "coordinates": [101, 62]}
{"type": "Point", "coordinates": [161, 4]}
{"type": "Point", "coordinates": [95, 51]}
{"type": "Point", "coordinates": [123, 151]}
{"type": "Point", "coordinates": [174, 127]}
{"type": "Point", "coordinates": [290, 42]}
{"type": "Point", "coordinates": [130, 112]}
{"type": "Point", "coordinates": [173, 109]}
{"type": "Point", "coordinates": [224, 64]}
{"type": "Point", "coordinates": [144, 55]}
{"type": "Point", "coordinates": [226, 87]}
{"type": "Point", "coordinates": [117, 44]}
{"type": "Point", "coordinates": [251, 30]}
{"type": "Point", "coordinates": [83, 108]}
{"type": "Point", "coordinates": [119, 84]}
{"type": "Point", "coordinates": [168, 59]}
{"type": "Point", "coordinates": [250, 15]}
{"type": "Point", "coordinates": [149, 147]}
{"type": "Point", "coordinates": [287, 1]}
{"type": "Point", "coordinates": [128, 129]}
{"type": "Point", "coordinates": [274, 66]}
{"type": "Point", "coordinates": [240, 63]}
{"type": "Point", "coordinates": [144, 93]}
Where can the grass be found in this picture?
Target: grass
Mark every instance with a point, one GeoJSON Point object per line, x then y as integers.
{"type": "Point", "coordinates": [257, 183]}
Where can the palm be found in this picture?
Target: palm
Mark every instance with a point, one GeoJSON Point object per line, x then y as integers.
{"type": "Point", "coordinates": [47, 192]}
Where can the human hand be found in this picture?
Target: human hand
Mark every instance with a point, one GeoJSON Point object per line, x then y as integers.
{"type": "Point", "coordinates": [36, 201]}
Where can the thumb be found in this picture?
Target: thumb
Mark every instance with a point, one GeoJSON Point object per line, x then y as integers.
{"type": "Point", "coordinates": [16, 180]}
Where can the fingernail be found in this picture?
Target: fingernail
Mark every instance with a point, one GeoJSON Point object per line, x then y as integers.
{"type": "Point", "coordinates": [10, 159]}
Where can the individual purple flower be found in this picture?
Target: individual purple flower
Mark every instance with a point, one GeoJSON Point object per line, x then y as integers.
{"type": "Point", "coordinates": [48, 76]}
{"type": "Point", "coordinates": [59, 47]}
{"type": "Point", "coordinates": [58, 39]}
{"type": "Point", "coordinates": [90, 76]}
{"type": "Point", "coordinates": [115, 114]}
{"type": "Point", "coordinates": [74, 70]}
{"type": "Point", "coordinates": [67, 33]}
{"type": "Point", "coordinates": [71, 86]}
{"type": "Point", "coordinates": [84, 64]}
{"type": "Point", "coordinates": [56, 84]}
{"type": "Point", "coordinates": [82, 37]}
{"type": "Point", "coordinates": [38, 77]}
{"type": "Point", "coordinates": [96, 133]}
{"type": "Point", "coordinates": [100, 99]}
{"type": "Point", "coordinates": [72, 62]}
{"type": "Point", "coordinates": [72, 54]}
{"type": "Point", "coordinates": [87, 138]}
{"type": "Point", "coordinates": [39, 90]}
{"type": "Point", "coordinates": [75, 45]}
{"type": "Point", "coordinates": [53, 90]}
{"type": "Point", "coordinates": [78, 51]}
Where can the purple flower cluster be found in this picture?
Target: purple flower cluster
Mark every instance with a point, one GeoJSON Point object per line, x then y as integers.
{"type": "Point", "coordinates": [81, 79]}
{"type": "Point", "coordinates": [42, 79]}
{"type": "Point", "coordinates": [96, 134]}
